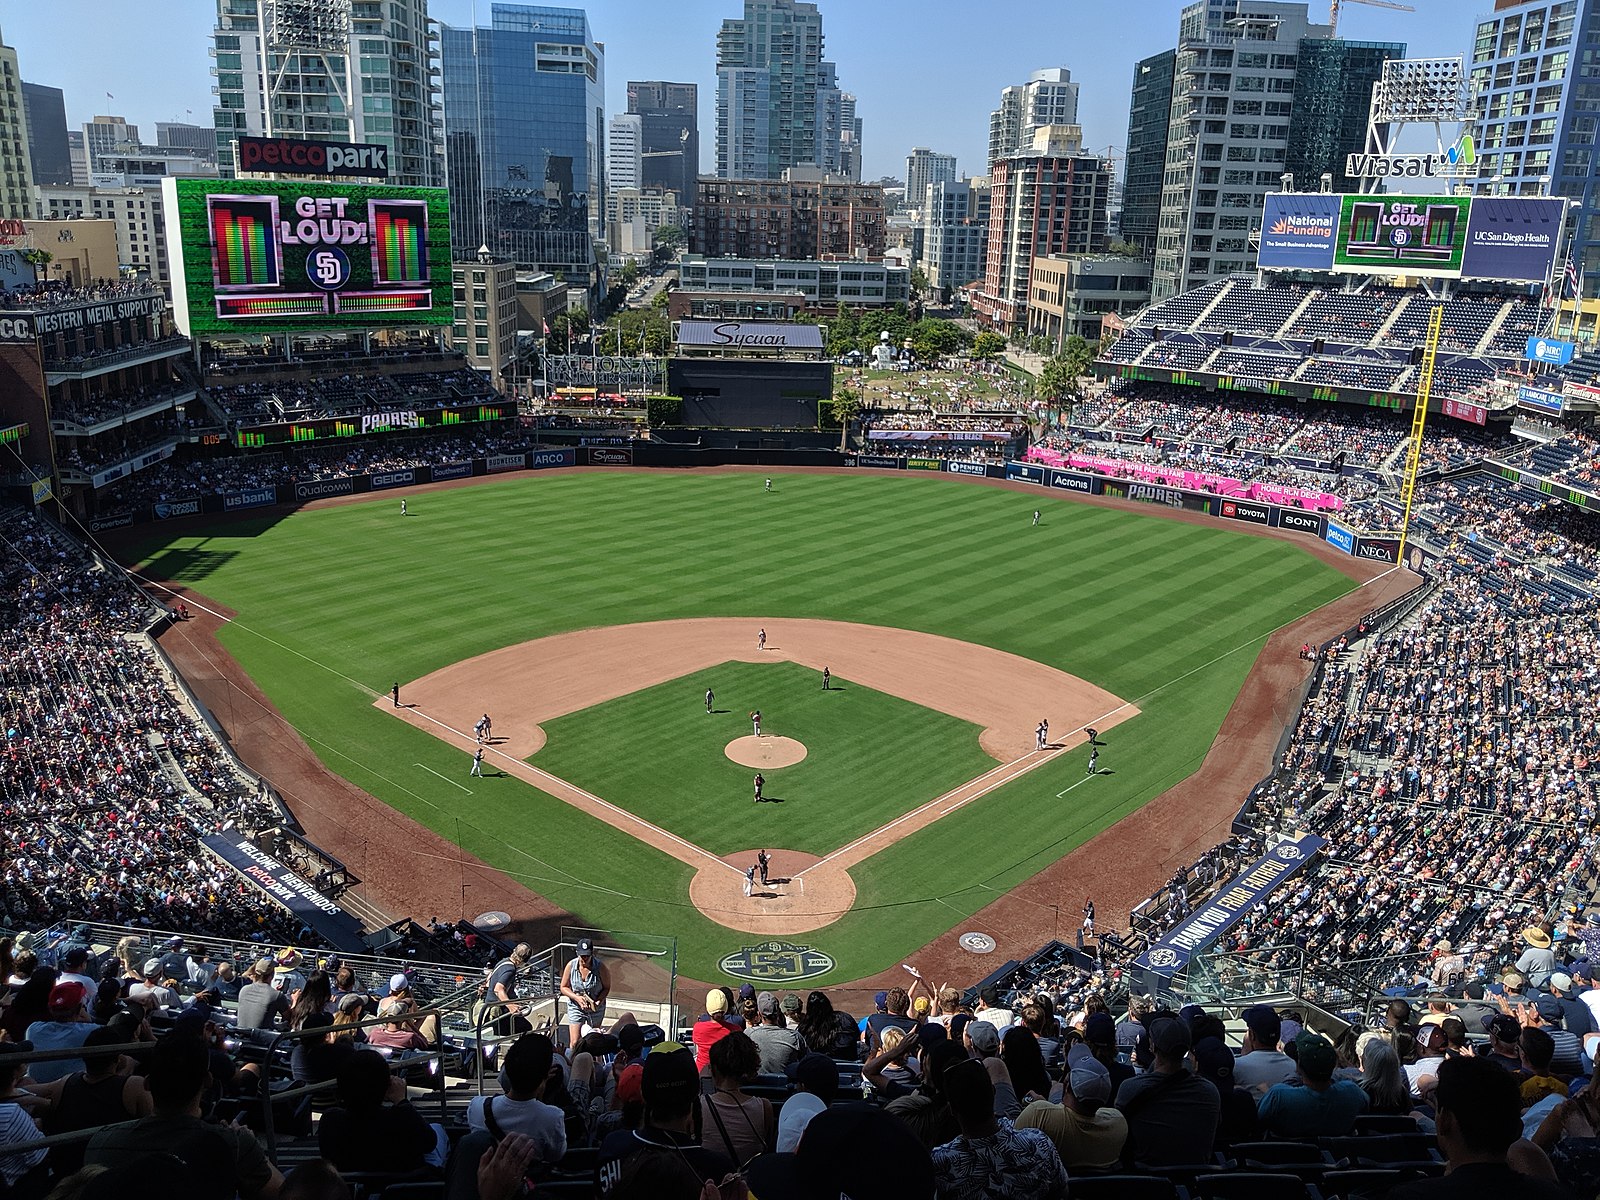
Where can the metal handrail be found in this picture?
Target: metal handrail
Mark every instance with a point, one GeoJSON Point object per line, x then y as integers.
{"type": "Point", "coordinates": [269, 1098]}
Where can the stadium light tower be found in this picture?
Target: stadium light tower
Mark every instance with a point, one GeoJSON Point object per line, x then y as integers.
{"type": "Point", "coordinates": [304, 38]}
{"type": "Point", "coordinates": [1424, 91]}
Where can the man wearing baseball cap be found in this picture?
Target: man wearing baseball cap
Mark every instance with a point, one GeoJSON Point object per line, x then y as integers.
{"type": "Point", "coordinates": [1172, 1113]}
{"type": "Point", "coordinates": [671, 1088]}
{"type": "Point", "coordinates": [1261, 1064]}
{"type": "Point", "coordinates": [779, 1044]}
{"type": "Point", "coordinates": [1319, 1106]}
{"type": "Point", "coordinates": [67, 1026]}
{"type": "Point", "coordinates": [1087, 1131]}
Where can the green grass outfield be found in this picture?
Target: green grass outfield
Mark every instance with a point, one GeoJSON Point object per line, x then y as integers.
{"type": "Point", "coordinates": [659, 754]}
{"type": "Point", "coordinates": [336, 604]}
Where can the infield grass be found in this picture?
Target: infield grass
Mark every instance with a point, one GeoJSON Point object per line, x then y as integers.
{"type": "Point", "coordinates": [337, 603]}
{"type": "Point", "coordinates": [660, 755]}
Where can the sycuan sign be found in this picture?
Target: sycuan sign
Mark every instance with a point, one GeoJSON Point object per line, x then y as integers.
{"type": "Point", "coordinates": [748, 335]}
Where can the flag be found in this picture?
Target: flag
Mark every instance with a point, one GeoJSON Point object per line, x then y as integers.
{"type": "Point", "coordinates": [1574, 280]}
{"type": "Point", "coordinates": [1547, 296]}
{"type": "Point", "coordinates": [109, 96]}
{"type": "Point", "coordinates": [547, 329]}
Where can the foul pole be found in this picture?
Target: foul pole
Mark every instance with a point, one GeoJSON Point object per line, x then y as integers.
{"type": "Point", "coordinates": [1419, 419]}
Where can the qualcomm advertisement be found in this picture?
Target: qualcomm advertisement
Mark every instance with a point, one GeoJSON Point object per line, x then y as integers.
{"type": "Point", "coordinates": [1487, 237]}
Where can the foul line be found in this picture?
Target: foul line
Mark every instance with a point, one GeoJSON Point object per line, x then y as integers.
{"type": "Point", "coordinates": [1080, 783]}
{"type": "Point", "coordinates": [622, 813]}
{"type": "Point", "coordinates": [446, 778]}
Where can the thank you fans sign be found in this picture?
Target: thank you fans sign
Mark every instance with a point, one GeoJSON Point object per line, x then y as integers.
{"type": "Point", "coordinates": [1233, 900]}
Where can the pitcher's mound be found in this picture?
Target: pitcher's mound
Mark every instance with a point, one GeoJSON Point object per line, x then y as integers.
{"type": "Point", "coordinates": [765, 753]}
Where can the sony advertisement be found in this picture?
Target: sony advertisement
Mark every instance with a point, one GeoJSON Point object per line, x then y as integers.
{"type": "Point", "coordinates": [273, 257]}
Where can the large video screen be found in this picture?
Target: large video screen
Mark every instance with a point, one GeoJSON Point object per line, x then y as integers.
{"type": "Point", "coordinates": [1408, 235]}
{"type": "Point", "coordinates": [268, 257]}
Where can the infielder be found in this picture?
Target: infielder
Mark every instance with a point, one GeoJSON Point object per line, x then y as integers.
{"type": "Point", "coordinates": [477, 763]}
{"type": "Point", "coordinates": [1094, 759]}
{"type": "Point", "coordinates": [710, 698]}
{"type": "Point", "coordinates": [761, 782]}
{"type": "Point", "coordinates": [761, 639]}
{"type": "Point", "coordinates": [826, 676]}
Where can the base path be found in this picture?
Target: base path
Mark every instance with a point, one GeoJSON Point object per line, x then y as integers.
{"type": "Point", "coordinates": [522, 686]}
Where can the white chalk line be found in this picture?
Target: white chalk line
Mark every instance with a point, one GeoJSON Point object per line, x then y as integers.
{"type": "Point", "coordinates": [446, 778]}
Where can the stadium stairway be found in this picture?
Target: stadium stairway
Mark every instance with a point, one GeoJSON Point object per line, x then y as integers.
{"type": "Point", "coordinates": [1299, 310]}
{"type": "Point", "coordinates": [1383, 330]}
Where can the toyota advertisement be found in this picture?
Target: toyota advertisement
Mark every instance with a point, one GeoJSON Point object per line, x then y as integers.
{"type": "Point", "coordinates": [274, 257]}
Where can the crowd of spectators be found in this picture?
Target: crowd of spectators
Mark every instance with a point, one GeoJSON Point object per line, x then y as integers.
{"type": "Point", "coordinates": [56, 295]}
{"type": "Point", "coordinates": [298, 396]}
{"type": "Point", "coordinates": [91, 409]}
{"type": "Point", "coordinates": [108, 780]}
{"type": "Point", "coordinates": [178, 480]}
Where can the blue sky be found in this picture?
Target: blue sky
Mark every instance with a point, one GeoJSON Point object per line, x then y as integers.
{"type": "Point", "coordinates": [925, 72]}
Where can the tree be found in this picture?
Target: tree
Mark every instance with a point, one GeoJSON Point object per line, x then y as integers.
{"type": "Point", "coordinates": [669, 237]}
{"type": "Point", "coordinates": [1056, 379]}
{"type": "Point", "coordinates": [630, 273]}
{"type": "Point", "coordinates": [663, 410]}
{"type": "Point", "coordinates": [841, 409]}
{"type": "Point", "coordinates": [919, 280]}
{"type": "Point", "coordinates": [1125, 249]}
{"type": "Point", "coordinates": [987, 345]}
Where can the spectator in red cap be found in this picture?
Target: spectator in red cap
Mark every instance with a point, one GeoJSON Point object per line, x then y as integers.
{"type": "Point", "coordinates": [67, 1026]}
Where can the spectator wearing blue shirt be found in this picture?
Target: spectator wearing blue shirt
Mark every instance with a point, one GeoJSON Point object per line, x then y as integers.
{"type": "Point", "coordinates": [1318, 1106]}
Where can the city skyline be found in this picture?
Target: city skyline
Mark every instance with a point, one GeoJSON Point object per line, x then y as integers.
{"type": "Point", "coordinates": [940, 96]}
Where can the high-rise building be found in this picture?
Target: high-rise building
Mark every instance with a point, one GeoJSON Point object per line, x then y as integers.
{"type": "Point", "coordinates": [1232, 128]}
{"type": "Point", "coordinates": [669, 135]}
{"type": "Point", "coordinates": [778, 103]}
{"type": "Point", "coordinates": [806, 214]}
{"type": "Point", "coordinates": [624, 152]}
{"type": "Point", "coordinates": [16, 174]}
{"type": "Point", "coordinates": [107, 135]}
{"type": "Point", "coordinates": [1540, 113]}
{"type": "Point", "coordinates": [78, 151]}
{"type": "Point", "coordinates": [1146, 149]}
{"type": "Point", "coordinates": [328, 70]}
{"type": "Point", "coordinates": [138, 212]}
{"type": "Point", "coordinates": [1048, 98]}
{"type": "Point", "coordinates": [924, 168]}
{"type": "Point", "coordinates": [1051, 199]}
{"type": "Point", "coordinates": [955, 233]}
{"type": "Point", "coordinates": [182, 135]}
{"type": "Point", "coordinates": [525, 135]}
{"type": "Point", "coordinates": [48, 152]}
{"type": "Point", "coordinates": [1332, 101]}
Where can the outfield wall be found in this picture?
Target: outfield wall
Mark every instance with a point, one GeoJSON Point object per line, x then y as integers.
{"type": "Point", "coordinates": [1083, 482]}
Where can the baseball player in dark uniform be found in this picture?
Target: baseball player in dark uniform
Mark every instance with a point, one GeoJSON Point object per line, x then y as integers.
{"type": "Point", "coordinates": [826, 676]}
{"type": "Point", "coordinates": [762, 861]}
{"type": "Point", "coordinates": [710, 697]}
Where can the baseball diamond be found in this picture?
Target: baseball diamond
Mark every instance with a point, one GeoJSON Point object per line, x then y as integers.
{"type": "Point", "coordinates": [524, 597]}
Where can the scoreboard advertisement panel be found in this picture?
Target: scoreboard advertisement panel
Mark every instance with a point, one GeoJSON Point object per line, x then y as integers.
{"type": "Point", "coordinates": [271, 257]}
{"type": "Point", "coordinates": [1406, 235]}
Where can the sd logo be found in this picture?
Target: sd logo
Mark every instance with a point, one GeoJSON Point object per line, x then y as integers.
{"type": "Point", "coordinates": [328, 268]}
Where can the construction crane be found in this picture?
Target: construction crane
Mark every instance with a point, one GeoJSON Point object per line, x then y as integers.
{"type": "Point", "coordinates": [1334, 6]}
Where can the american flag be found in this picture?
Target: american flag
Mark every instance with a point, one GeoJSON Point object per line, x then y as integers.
{"type": "Point", "coordinates": [1574, 280]}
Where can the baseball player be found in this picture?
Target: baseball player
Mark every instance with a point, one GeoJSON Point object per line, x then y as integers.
{"type": "Point", "coordinates": [763, 859]}
{"type": "Point", "coordinates": [488, 728]}
{"type": "Point", "coordinates": [1038, 736]}
{"type": "Point", "coordinates": [477, 763]}
{"type": "Point", "coordinates": [755, 722]}
{"type": "Point", "coordinates": [761, 639]}
{"type": "Point", "coordinates": [1094, 759]}
{"type": "Point", "coordinates": [480, 727]}
{"type": "Point", "coordinates": [826, 676]}
{"type": "Point", "coordinates": [1090, 731]}
{"type": "Point", "coordinates": [761, 781]}
{"type": "Point", "coordinates": [1036, 516]}
{"type": "Point", "coordinates": [402, 508]}
{"type": "Point", "coordinates": [1044, 733]}
{"type": "Point", "coordinates": [710, 699]}
{"type": "Point", "coordinates": [394, 694]}
{"type": "Point", "coordinates": [750, 879]}
{"type": "Point", "coordinates": [769, 485]}
{"type": "Point", "coordinates": [1088, 916]}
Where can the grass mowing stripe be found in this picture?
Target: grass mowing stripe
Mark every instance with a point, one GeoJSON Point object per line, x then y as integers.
{"type": "Point", "coordinates": [377, 599]}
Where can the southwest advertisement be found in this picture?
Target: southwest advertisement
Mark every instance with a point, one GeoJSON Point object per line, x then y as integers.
{"type": "Point", "coordinates": [275, 257]}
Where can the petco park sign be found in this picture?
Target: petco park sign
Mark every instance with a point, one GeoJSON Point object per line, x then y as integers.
{"type": "Point", "coordinates": [1459, 160]}
{"type": "Point", "coordinates": [290, 156]}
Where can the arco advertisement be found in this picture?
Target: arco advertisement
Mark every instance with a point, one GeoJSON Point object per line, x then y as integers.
{"type": "Point", "coordinates": [274, 257]}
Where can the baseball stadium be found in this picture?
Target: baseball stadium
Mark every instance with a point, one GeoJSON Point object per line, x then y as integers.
{"type": "Point", "coordinates": [1252, 674]}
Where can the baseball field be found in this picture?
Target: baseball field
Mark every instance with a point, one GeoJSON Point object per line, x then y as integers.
{"type": "Point", "coordinates": [588, 613]}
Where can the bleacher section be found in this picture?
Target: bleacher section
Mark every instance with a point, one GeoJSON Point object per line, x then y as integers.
{"type": "Point", "coordinates": [253, 393]}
